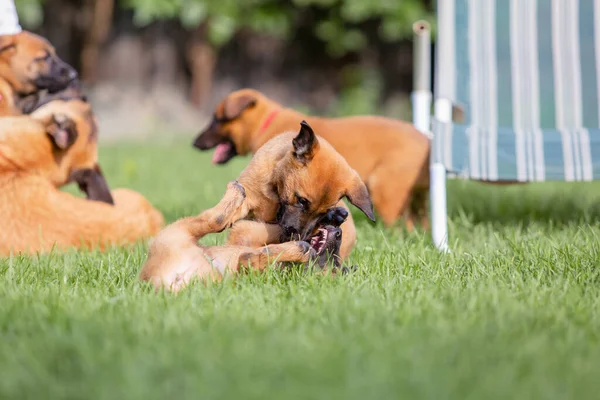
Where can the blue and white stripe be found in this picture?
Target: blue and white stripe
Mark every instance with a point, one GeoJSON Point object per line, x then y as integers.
{"type": "Point", "coordinates": [522, 148]}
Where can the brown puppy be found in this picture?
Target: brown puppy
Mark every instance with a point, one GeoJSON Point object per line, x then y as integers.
{"type": "Point", "coordinates": [390, 156]}
{"type": "Point", "coordinates": [175, 258]}
{"type": "Point", "coordinates": [291, 182]}
{"type": "Point", "coordinates": [28, 64]}
{"type": "Point", "coordinates": [39, 153]}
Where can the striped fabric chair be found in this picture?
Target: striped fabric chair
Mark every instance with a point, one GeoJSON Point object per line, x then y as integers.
{"type": "Point", "coordinates": [526, 76]}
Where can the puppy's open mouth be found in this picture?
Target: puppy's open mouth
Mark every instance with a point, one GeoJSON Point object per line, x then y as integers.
{"type": "Point", "coordinates": [324, 237]}
{"type": "Point", "coordinates": [224, 152]}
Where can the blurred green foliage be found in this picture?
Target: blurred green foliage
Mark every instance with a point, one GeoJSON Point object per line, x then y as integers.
{"type": "Point", "coordinates": [30, 12]}
{"type": "Point", "coordinates": [337, 26]}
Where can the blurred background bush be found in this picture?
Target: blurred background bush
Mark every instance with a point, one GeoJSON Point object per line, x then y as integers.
{"type": "Point", "coordinates": [151, 65]}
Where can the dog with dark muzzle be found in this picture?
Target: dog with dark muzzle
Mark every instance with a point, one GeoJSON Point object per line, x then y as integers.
{"type": "Point", "coordinates": [39, 153]}
{"type": "Point", "coordinates": [29, 65]}
{"type": "Point", "coordinates": [291, 183]}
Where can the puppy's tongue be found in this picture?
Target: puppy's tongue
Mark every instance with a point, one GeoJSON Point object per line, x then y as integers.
{"type": "Point", "coordinates": [221, 152]}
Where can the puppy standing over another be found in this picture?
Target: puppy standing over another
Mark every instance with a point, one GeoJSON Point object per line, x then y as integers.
{"type": "Point", "coordinates": [291, 183]}
{"type": "Point", "coordinates": [290, 189]}
{"type": "Point", "coordinates": [391, 157]}
{"type": "Point", "coordinates": [175, 258]}
{"type": "Point", "coordinates": [28, 65]}
{"type": "Point", "coordinates": [39, 153]}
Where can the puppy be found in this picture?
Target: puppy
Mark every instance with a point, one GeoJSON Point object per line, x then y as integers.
{"type": "Point", "coordinates": [55, 145]}
{"type": "Point", "coordinates": [390, 156]}
{"type": "Point", "coordinates": [291, 182]}
{"type": "Point", "coordinates": [175, 258]}
{"type": "Point", "coordinates": [29, 64]}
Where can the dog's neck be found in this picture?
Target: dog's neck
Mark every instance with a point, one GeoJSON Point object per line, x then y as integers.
{"type": "Point", "coordinates": [7, 99]}
{"type": "Point", "coordinates": [16, 87]}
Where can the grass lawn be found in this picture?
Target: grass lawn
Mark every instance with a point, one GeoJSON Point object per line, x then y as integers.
{"type": "Point", "coordinates": [513, 312]}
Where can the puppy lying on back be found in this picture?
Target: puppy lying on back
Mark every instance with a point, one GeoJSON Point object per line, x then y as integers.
{"type": "Point", "coordinates": [29, 67]}
{"type": "Point", "coordinates": [175, 258]}
{"type": "Point", "coordinates": [55, 145]}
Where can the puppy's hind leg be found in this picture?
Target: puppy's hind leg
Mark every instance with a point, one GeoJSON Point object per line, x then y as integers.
{"type": "Point", "coordinates": [218, 218]}
{"type": "Point", "coordinates": [391, 186]}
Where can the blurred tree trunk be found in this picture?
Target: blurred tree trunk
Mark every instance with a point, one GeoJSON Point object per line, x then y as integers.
{"type": "Point", "coordinates": [201, 59]}
{"type": "Point", "coordinates": [98, 15]}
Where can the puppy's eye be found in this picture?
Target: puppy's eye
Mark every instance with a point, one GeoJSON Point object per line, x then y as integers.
{"type": "Point", "coordinates": [45, 57]}
{"type": "Point", "coordinates": [302, 202]}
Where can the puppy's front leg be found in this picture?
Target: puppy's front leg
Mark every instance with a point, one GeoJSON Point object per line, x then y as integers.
{"type": "Point", "coordinates": [285, 252]}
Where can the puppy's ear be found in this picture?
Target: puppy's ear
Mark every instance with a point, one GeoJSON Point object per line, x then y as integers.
{"type": "Point", "coordinates": [62, 131]}
{"type": "Point", "coordinates": [234, 107]}
{"type": "Point", "coordinates": [358, 195]}
{"type": "Point", "coordinates": [7, 43]}
{"type": "Point", "coordinates": [305, 143]}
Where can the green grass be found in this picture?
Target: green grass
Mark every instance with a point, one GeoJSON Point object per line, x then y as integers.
{"type": "Point", "coordinates": [512, 312]}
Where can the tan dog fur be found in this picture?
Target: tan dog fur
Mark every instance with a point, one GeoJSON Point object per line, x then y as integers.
{"type": "Point", "coordinates": [175, 258]}
{"type": "Point", "coordinates": [29, 64]}
{"type": "Point", "coordinates": [37, 157]}
{"type": "Point", "coordinates": [390, 156]}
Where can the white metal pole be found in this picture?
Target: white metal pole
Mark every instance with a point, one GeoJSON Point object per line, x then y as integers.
{"type": "Point", "coordinates": [421, 94]}
{"type": "Point", "coordinates": [443, 114]}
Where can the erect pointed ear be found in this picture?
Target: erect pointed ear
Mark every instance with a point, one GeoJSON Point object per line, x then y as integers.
{"type": "Point", "coordinates": [358, 195]}
{"type": "Point", "coordinates": [62, 131]}
{"type": "Point", "coordinates": [234, 107]}
{"type": "Point", "coordinates": [305, 143]}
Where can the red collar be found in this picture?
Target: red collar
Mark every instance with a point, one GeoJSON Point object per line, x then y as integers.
{"type": "Point", "coordinates": [268, 120]}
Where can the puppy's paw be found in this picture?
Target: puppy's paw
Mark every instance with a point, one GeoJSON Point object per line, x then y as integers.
{"type": "Point", "coordinates": [335, 216]}
{"type": "Point", "coordinates": [236, 186]}
{"type": "Point", "coordinates": [307, 251]}
{"type": "Point", "coordinates": [234, 195]}
{"type": "Point", "coordinates": [347, 270]}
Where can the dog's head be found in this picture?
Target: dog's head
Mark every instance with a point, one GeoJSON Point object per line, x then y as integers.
{"type": "Point", "coordinates": [325, 237]}
{"type": "Point", "coordinates": [72, 133]}
{"type": "Point", "coordinates": [29, 63]}
{"type": "Point", "coordinates": [310, 181]}
{"type": "Point", "coordinates": [235, 120]}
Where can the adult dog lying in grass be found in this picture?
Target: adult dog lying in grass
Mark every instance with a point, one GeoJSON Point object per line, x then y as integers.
{"type": "Point", "coordinates": [55, 145]}
{"type": "Point", "coordinates": [390, 156]}
{"type": "Point", "coordinates": [175, 258]}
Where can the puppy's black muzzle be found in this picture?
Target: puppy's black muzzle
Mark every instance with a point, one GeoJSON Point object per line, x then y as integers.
{"type": "Point", "coordinates": [59, 76]}
{"type": "Point", "coordinates": [91, 181]}
{"type": "Point", "coordinates": [290, 223]}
